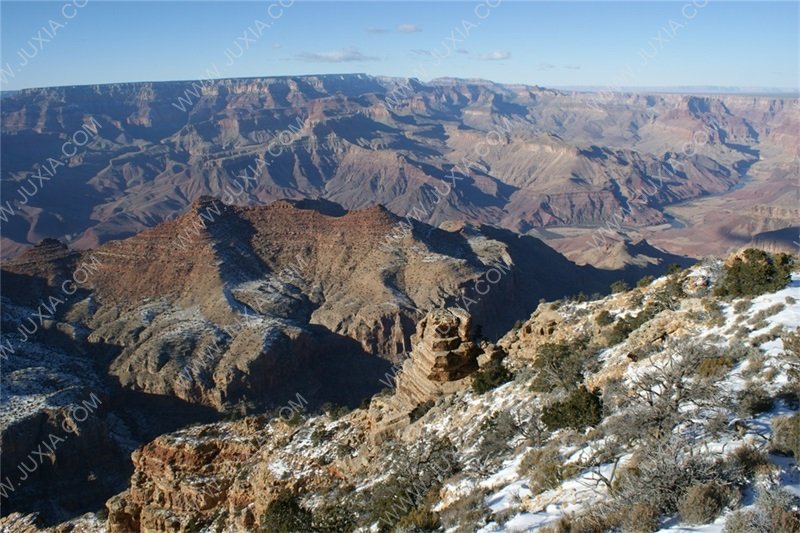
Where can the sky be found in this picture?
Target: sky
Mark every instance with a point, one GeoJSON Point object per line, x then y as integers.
{"type": "Point", "coordinates": [687, 43]}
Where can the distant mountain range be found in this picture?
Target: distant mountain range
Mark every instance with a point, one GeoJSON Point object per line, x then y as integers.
{"type": "Point", "coordinates": [525, 158]}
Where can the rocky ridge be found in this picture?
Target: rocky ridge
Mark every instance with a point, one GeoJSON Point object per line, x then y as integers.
{"type": "Point", "coordinates": [515, 156]}
{"type": "Point", "coordinates": [333, 456]}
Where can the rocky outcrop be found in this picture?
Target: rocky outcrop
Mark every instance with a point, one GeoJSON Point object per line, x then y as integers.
{"type": "Point", "coordinates": [224, 475]}
{"type": "Point", "coordinates": [444, 354]}
{"type": "Point", "coordinates": [182, 478]}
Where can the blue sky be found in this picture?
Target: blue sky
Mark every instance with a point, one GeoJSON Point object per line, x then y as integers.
{"type": "Point", "coordinates": [665, 44]}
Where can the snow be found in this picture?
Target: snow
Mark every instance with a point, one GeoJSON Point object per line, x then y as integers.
{"type": "Point", "coordinates": [509, 490]}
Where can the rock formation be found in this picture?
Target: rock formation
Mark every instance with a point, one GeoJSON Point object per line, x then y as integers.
{"type": "Point", "coordinates": [444, 354]}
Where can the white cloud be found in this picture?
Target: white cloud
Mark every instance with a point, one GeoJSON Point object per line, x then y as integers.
{"type": "Point", "coordinates": [497, 55]}
{"type": "Point", "coordinates": [408, 28]}
{"type": "Point", "coordinates": [336, 56]}
{"type": "Point", "coordinates": [373, 29]}
{"type": "Point", "coordinates": [546, 66]}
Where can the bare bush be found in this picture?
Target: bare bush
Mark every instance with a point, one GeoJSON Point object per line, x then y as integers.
{"type": "Point", "coordinates": [545, 468]}
{"type": "Point", "coordinates": [664, 474]}
{"type": "Point", "coordinates": [774, 512]}
{"type": "Point", "coordinates": [641, 518]}
{"type": "Point", "coordinates": [670, 383]}
{"type": "Point", "coordinates": [703, 503]}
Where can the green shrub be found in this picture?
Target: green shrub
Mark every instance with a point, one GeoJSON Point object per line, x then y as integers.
{"type": "Point", "coordinates": [703, 503]}
{"type": "Point", "coordinates": [786, 435]}
{"type": "Point", "coordinates": [496, 432]}
{"type": "Point", "coordinates": [645, 281]}
{"type": "Point", "coordinates": [619, 286]}
{"type": "Point", "coordinates": [755, 272]}
{"type": "Point", "coordinates": [491, 376]}
{"type": "Point", "coordinates": [420, 410]}
{"type": "Point", "coordinates": [284, 515]}
{"type": "Point", "coordinates": [320, 435]}
{"type": "Point", "coordinates": [335, 412]}
{"type": "Point", "coordinates": [579, 410]}
{"type": "Point", "coordinates": [561, 365]}
{"type": "Point", "coordinates": [624, 326]}
{"type": "Point", "coordinates": [334, 518]}
{"type": "Point", "coordinates": [674, 268]}
{"type": "Point", "coordinates": [604, 318]}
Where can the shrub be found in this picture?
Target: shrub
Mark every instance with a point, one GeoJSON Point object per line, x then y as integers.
{"type": "Point", "coordinates": [561, 365]}
{"type": "Point", "coordinates": [420, 410]}
{"type": "Point", "coordinates": [664, 473]}
{"type": "Point", "coordinates": [754, 400]}
{"type": "Point", "coordinates": [604, 318]}
{"type": "Point", "coordinates": [703, 503]}
{"type": "Point", "coordinates": [641, 517]}
{"type": "Point", "coordinates": [742, 305]}
{"type": "Point", "coordinates": [744, 521]}
{"type": "Point", "coordinates": [754, 366]}
{"type": "Point", "coordinates": [295, 420]}
{"type": "Point", "coordinates": [334, 518]}
{"type": "Point", "coordinates": [597, 519]}
{"type": "Point", "coordinates": [320, 435]}
{"type": "Point", "coordinates": [619, 286]}
{"type": "Point", "coordinates": [755, 272]}
{"type": "Point", "coordinates": [669, 296]}
{"type": "Point", "coordinates": [746, 462]}
{"type": "Point", "coordinates": [760, 316]}
{"type": "Point", "coordinates": [624, 326]}
{"type": "Point", "coordinates": [786, 435]}
{"type": "Point", "coordinates": [778, 507]}
{"type": "Point", "coordinates": [491, 376]}
{"type": "Point", "coordinates": [284, 515]}
{"type": "Point", "coordinates": [419, 519]}
{"type": "Point", "coordinates": [546, 469]}
{"type": "Point", "coordinates": [467, 513]}
{"type": "Point", "coordinates": [774, 512]}
{"type": "Point", "coordinates": [714, 314]}
{"type": "Point", "coordinates": [715, 366]}
{"type": "Point", "coordinates": [335, 412]}
{"type": "Point", "coordinates": [645, 281]}
{"type": "Point", "coordinates": [496, 432]}
{"type": "Point", "coordinates": [579, 410]}
{"type": "Point", "coordinates": [674, 268]}
{"type": "Point", "coordinates": [717, 424]}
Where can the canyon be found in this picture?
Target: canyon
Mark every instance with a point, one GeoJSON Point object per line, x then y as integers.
{"type": "Point", "coordinates": [88, 164]}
